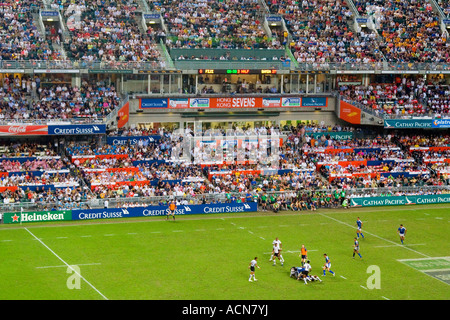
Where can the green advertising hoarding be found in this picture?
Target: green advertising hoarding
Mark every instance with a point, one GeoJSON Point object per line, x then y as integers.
{"type": "Point", "coordinates": [36, 216]}
{"type": "Point", "coordinates": [399, 200]}
{"type": "Point", "coordinates": [336, 135]}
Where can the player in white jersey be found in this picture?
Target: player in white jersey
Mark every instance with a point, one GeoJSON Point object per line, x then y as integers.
{"type": "Point", "coordinates": [306, 269]}
{"type": "Point", "coordinates": [277, 243]}
{"type": "Point", "coordinates": [277, 254]}
{"type": "Point", "coordinates": [253, 264]}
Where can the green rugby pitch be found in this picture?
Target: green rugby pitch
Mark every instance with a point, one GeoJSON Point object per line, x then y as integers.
{"type": "Point", "coordinates": [206, 257]}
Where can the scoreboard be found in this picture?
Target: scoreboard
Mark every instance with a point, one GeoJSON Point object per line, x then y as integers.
{"type": "Point", "coordinates": [237, 71]}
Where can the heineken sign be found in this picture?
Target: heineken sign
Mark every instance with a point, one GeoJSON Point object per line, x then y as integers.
{"type": "Point", "coordinates": [37, 216]}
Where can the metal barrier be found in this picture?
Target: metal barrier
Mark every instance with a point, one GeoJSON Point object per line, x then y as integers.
{"type": "Point", "coordinates": [222, 197]}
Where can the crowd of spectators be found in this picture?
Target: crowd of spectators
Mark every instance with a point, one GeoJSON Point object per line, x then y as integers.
{"type": "Point", "coordinates": [107, 32]}
{"type": "Point", "coordinates": [19, 36]}
{"type": "Point", "coordinates": [322, 34]}
{"type": "Point", "coordinates": [403, 97]}
{"type": "Point", "coordinates": [223, 24]}
{"type": "Point", "coordinates": [12, 149]}
{"type": "Point", "coordinates": [410, 30]}
{"type": "Point", "coordinates": [445, 6]}
{"type": "Point", "coordinates": [24, 98]}
{"type": "Point", "coordinates": [321, 30]}
{"type": "Point", "coordinates": [43, 164]}
{"type": "Point", "coordinates": [311, 173]}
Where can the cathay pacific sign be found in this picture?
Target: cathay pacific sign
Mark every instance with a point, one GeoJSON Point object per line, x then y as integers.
{"type": "Point", "coordinates": [408, 123]}
{"type": "Point", "coordinates": [399, 200]}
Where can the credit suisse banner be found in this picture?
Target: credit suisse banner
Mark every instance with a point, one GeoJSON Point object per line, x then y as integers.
{"type": "Point", "coordinates": [233, 102]}
{"type": "Point", "coordinates": [132, 140]}
{"type": "Point", "coordinates": [163, 210]}
{"type": "Point", "coordinates": [91, 214]}
{"type": "Point", "coordinates": [77, 129]}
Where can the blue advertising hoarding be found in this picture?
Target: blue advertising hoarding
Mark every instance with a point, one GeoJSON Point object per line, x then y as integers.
{"type": "Point", "coordinates": [153, 103]}
{"type": "Point", "coordinates": [441, 123]}
{"type": "Point", "coordinates": [109, 213]}
{"type": "Point", "coordinates": [131, 139]}
{"type": "Point", "coordinates": [76, 129]}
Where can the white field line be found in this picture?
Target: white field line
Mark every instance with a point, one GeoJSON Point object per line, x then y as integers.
{"type": "Point", "coordinates": [419, 259]}
{"type": "Point", "coordinates": [61, 266]}
{"type": "Point", "coordinates": [66, 264]}
{"type": "Point", "coordinates": [427, 270]}
{"type": "Point", "coordinates": [409, 245]}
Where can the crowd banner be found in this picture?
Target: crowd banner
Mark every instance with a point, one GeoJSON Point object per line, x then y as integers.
{"type": "Point", "coordinates": [399, 200]}
{"type": "Point", "coordinates": [109, 213]}
{"type": "Point", "coordinates": [37, 216]}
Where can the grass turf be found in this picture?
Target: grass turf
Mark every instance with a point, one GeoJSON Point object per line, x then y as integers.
{"type": "Point", "coordinates": [206, 257]}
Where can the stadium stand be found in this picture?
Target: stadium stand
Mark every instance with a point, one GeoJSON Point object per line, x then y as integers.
{"type": "Point", "coordinates": [295, 105]}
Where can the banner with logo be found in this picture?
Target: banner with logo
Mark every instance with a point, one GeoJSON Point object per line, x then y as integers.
{"type": "Point", "coordinates": [163, 210]}
{"type": "Point", "coordinates": [152, 103]}
{"type": "Point", "coordinates": [132, 140]}
{"type": "Point", "coordinates": [315, 102]}
{"type": "Point", "coordinates": [77, 129]}
{"type": "Point", "coordinates": [235, 102]}
{"type": "Point", "coordinates": [23, 130]}
{"type": "Point", "coordinates": [36, 216]}
{"type": "Point", "coordinates": [344, 135]}
{"type": "Point", "coordinates": [399, 200]}
{"type": "Point", "coordinates": [441, 123]}
{"type": "Point", "coordinates": [123, 115]}
{"type": "Point", "coordinates": [349, 113]}
{"type": "Point", "coordinates": [408, 123]}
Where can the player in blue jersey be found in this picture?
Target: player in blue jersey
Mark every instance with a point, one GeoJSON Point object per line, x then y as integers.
{"type": "Point", "coordinates": [356, 248]}
{"type": "Point", "coordinates": [359, 228]}
{"type": "Point", "coordinates": [327, 265]}
{"type": "Point", "coordinates": [401, 232]}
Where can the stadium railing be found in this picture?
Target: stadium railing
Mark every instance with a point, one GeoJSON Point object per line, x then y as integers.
{"type": "Point", "coordinates": [221, 197]}
{"type": "Point", "coordinates": [79, 64]}
{"type": "Point", "coordinates": [129, 66]}
{"type": "Point", "coordinates": [76, 120]}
